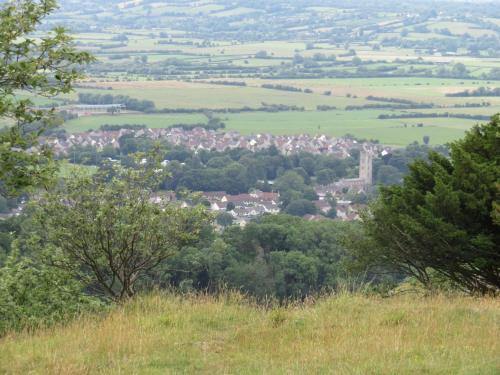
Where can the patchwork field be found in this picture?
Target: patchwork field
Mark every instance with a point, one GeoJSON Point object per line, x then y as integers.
{"type": "Point", "coordinates": [338, 120]}
{"type": "Point", "coordinates": [324, 54]}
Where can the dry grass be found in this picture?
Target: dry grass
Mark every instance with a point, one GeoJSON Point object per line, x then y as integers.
{"type": "Point", "coordinates": [227, 335]}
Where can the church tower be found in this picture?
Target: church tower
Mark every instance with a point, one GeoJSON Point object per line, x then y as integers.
{"type": "Point", "coordinates": [366, 166]}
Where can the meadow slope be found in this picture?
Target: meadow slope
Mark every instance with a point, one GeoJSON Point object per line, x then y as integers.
{"type": "Point", "coordinates": [228, 335]}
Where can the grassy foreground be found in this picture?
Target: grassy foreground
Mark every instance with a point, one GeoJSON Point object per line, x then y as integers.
{"type": "Point", "coordinates": [227, 335]}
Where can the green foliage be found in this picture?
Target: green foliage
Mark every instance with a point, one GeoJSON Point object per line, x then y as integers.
{"type": "Point", "coordinates": [388, 175]}
{"type": "Point", "coordinates": [301, 207]}
{"type": "Point", "coordinates": [225, 219]}
{"type": "Point", "coordinates": [130, 103]}
{"type": "Point", "coordinates": [44, 67]}
{"type": "Point", "coordinates": [36, 294]}
{"type": "Point", "coordinates": [108, 228]}
{"type": "Point", "coordinates": [296, 193]}
{"type": "Point", "coordinates": [279, 255]}
{"type": "Point", "coordinates": [444, 217]}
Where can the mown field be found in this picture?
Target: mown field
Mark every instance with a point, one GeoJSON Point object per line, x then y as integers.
{"type": "Point", "coordinates": [345, 92]}
{"type": "Point", "coordinates": [153, 121]}
{"type": "Point", "coordinates": [345, 334]}
{"type": "Point", "coordinates": [362, 124]}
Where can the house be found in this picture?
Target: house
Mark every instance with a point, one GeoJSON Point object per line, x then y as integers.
{"type": "Point", "coordinates": [202, 139]}
{"type": "Point", "coordinates": [215, 196]}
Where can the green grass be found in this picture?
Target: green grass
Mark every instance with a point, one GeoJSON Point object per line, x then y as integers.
{"type": "Point", "coordinates": [363, 124]}
{"type": "Point", "coordinates": [196, 95]}
{"type": "Point", "coordinates": [153, 121]}
{"type": "Point", "coordinates": [346, 334]}
{"type": "Point", "coordinates": [178, 94]}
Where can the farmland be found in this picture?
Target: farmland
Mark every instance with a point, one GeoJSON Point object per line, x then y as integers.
{"type": "Point", "coordinates": [334, 123]}
{"type": "Point", "coordinates": [217, 55]}
{"type": "Point", "coordinates": [338, 122]}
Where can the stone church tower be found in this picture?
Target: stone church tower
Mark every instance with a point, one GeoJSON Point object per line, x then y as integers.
{"type": "Point", "coordinates": [366, 166]}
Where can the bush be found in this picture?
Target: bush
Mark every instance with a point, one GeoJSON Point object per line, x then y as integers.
{"type": "Point", "coordinates": [34, 295]}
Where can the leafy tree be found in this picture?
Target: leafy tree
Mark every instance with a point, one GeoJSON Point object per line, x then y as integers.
{"type": "Point", "coordinates": [44, 67]}
{"type": "Point", "coordinates": [35, 294]}
{"type": "Point", "coordinates": [295, 273]}
{"type": "Point", "coordinates": [459, 70]}
{"type": "Point", "coordinates": [290, 180]}
{"type": "Point", "coordinates": [225, 219]}
{"type": "Point", "coordinates": [255, 258]}
{"type": "Point", "coordinates": [332, 212]}
{"type": "Point", "coordinates": [308, 164]}
{"type": "Point", "coordinates": [388, 175]}
{"type": "Point", "coordinates": [112, 230]}
{"type": "Point", "coordinates": [325, 177]}
{"type": "Point", "coordinates": [301, 207]}
{"type": "Point", "coordinates": [445, 216]}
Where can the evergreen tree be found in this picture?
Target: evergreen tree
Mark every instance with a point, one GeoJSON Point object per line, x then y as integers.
{"type": "Point", "coordinates": [444, 217]}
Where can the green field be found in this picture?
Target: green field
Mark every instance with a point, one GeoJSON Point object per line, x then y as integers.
{"type": "Point", "coordinates": [343, 335]}
{"type": "Point", "coordinates": [345, 92]}
{"type": "Point", "coordinates": [200, 95]}
{"type": "Point", "coordinates": [153, 121]}
{"type": "Point", "coordinates": [363, 124]}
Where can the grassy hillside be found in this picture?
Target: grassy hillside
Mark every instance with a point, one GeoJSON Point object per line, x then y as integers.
{"type": "Point", "coordinates": [227, 335]}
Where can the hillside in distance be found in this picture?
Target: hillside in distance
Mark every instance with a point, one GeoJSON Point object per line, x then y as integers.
{"type": "Point", "coordinates": [390, 70]}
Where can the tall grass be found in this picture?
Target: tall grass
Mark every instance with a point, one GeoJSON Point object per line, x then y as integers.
{"type": "Point", "coordinates": [228, 334]}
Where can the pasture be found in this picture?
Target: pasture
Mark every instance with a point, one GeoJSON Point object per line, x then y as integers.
{"type": "Point", "coordinates": [341, 121]}
{"type": "Point", "coordinates": [152, 121]}
{"type": "Point", "coordinates": [343, 334]}
{"type": "Point", "coordinates": [362, 124]}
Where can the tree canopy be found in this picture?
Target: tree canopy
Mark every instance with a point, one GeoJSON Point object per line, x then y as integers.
{"type": "Point", "coordinates": [39, 66]}
{"type": "Point", "coordinates": [444, 217]}
{"type": "Point", "coordinates": [109, 228]}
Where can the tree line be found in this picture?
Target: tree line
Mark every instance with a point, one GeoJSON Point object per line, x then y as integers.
{"type": "Point", "coordinates": [131, 104]}
{"type": "Point", "coordinates": [481, 91]}
{"type": "Point", "coordinates": [433, 115]}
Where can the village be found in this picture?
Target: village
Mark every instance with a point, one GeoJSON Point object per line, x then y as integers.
{"type": "Point", "coordinates": [200, 138]}
{"type": "Point", "coordinates": [245, 207]}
